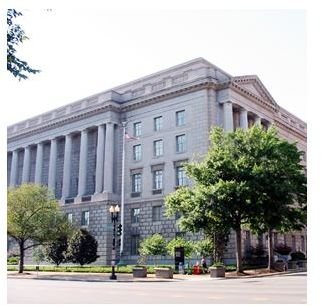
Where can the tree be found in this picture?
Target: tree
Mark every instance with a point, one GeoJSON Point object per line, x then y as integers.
{"type": "Point", "coordinates": [279, 188]}
{"type": "Point", "coordinates": [15, 36]}
{"type": "Point", "coordinates": [33, 217]}
{"type": "Point", "coordinates": [194, 205]}
{"type": "Point", "coordinates": [153, 246]}
{"type": "Point", "coordinates": [229, 189]}
{"type": "Point", "coordinates": [180, 242]}
{"type": "Point", "coordinates": [82, 248]}
{"type": "Point", "coordinates": [56, 251]}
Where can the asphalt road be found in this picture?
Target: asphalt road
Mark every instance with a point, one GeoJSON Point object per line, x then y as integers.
{"type": "Point", "coordinates": [282, 289]}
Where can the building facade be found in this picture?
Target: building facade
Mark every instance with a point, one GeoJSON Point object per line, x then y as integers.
{"type": "Point", "coordinates": [76, 150]}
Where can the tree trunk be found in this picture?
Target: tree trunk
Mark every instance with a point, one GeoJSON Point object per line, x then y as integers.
{"type": "Point", "coordinates": [270, 250]}
{"type": "Point", "coordinates": [22, 255]}
{"type": "Point", "coordinates": [238, 251]}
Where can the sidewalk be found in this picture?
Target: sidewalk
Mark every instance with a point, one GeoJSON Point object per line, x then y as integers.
{"type": "Point", "coordinates": [126, 277]}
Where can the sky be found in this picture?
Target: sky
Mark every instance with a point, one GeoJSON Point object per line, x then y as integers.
{"type": "Point", "coordinates": [81, 52]}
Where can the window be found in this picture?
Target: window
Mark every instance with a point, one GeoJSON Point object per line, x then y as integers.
{"type": "Point", "coordinates": [137, 129]}
{"type": "Point", "coordinates": [135, 242]}
{"type": "Point", "coordinates": [157, 179]}
{"type": "Point", "coordinates": [275, 238]}
{"type": "Point", "coordinates": [247, 240]}
{"type": "Point", "coordinates": [180, 143]}
{"type": "Point", "coordinates": [158, 147]}
{"type": "Point", "coordinates": [293, 243]}
{"type": "Point", "coordinates": [180, 118]}
{"type": "Point", "coordinates": [69, 217]}
{"type": "Point", "coordinates": [136, 182]}
{"type": "Point", "coordinates": [303, 249]}
{"type": "Point", "coordinates": [156, 213]}
{"type": "Point", "coordinates": [135, 212]}
{"type": "Point", "coordinates": [181, 179]}
{"type": "Point", "coordinates": [137, 152]}
{"type": "Point", "coordinates": [158, 123]}
{"type": "Point", "coordinates": [85, 218]}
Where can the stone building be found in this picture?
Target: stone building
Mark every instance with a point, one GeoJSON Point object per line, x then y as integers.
{"type": "Point", "coordinates": [76, 150]}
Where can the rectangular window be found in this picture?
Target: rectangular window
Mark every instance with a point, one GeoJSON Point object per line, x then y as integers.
{"type": "Point", "coordinates": [85, 218]}
{"type": "Point", "coordinates": [156, 213]}
{"type": "Point", "coordinates": [180, 143]}
{"type": "Point", "coordinates": [157, 123]}
{"type": "Point", "coordinates": [136, 182]}
{"type": "Point", "coordinates": [247, 240]}
{"type": "Point", "coordinates": [158, 179]}
{"type": "Point", "coordinates": [303, 249]}
{"type": "Point", "coordinates": [135, 212]}
{"type": "Point", "coordinates": [180, 118]}
{"type": "Point", "coordinates": [158, 147]}
{"type": "Point", "coordinates": [70, 217]}
{"type": "Point", "coordinates": [181, 179]}
{"type": "Point", "coordinates": [135, 242]}
{"type": "Point", "coordinates": [293, 243]}
{"type": "Point", "coordinates": [275, 239]}
{"type": "Point", "coordinates": [137, 129]}
{"type": "Point", "coordinates": [137, 152]}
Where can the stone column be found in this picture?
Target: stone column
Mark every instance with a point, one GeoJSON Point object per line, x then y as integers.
{"type": "Point", "coordinates": [243, 119]}
{"type": "Point", "coordinates": [228, 117]}
{"type": "Point", "coordinates": [100, 160]}
{"type": "Point", "coordinates": [67, 166]}
{"type": "Point", "coordinates": [39, 161]}
{"type": "Point", "coordinates": [109, 158]}
{"type": "Point", "coordinates": [83, 163]}
{"type": "Point", "coordinates": [14, 168]}
{"type": "Point", "coordinates": [258, 120]}
{"type": "Point", "coordinates": [52, 165]}
{"type": "Point", "coordinates": [26, 166]}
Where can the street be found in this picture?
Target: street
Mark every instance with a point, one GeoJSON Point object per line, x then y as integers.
{"type": "Point", "coordinates": [288, 288]}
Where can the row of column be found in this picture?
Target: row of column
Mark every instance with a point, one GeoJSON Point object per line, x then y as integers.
{"type": "Point", "coordinates": [243, 118]}
{"type": "Point", "coordinates": [104, 162]}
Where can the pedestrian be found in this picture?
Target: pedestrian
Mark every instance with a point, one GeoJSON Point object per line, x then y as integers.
{"type": "Point", "coordinates": [204, 265]}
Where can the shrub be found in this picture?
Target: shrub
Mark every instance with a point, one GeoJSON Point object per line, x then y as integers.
{"type": "Point", "coordinates": [56, 251]}
{"type": "Point", "coordinates": [298, 255]}
{"type": "Point", "coordinates": [283, 249]}
{"type": "Point", "coordinates": [13, 260]}
{"type": "Point", "coordinates": [180, 242]}
{"type": "Point", "coordinates": [218, 264]}
{"type": "Point", "coordinates": [152, 246]}
{"type": "Point", "coordinates": [82, 248]}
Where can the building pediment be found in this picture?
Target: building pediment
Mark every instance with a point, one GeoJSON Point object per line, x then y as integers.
{"type": "Point", "coordinates": [253, 84]}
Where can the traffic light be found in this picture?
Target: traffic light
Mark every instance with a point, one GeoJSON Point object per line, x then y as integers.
{"type": "Point", "coordinates": [119, 230]}
{"type": "Point", "coordinates": [119, 242]}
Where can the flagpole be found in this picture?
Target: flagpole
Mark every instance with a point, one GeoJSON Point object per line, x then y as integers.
{"type": "Point", "coordinates": [123, 188]}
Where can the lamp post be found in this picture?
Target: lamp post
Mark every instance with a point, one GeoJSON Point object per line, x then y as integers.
{"type": "Point", "coordinates": [114, 211]}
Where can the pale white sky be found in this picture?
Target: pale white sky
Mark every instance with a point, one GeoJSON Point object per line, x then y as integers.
{"type": "Point", "coordinates": [85, 51]}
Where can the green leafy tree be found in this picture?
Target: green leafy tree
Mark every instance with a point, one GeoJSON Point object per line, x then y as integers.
{"type": "Point", "coordinates": [229, 189]}
{"type": "Point", "coordinates": [280, 187]}
{"type": "Point", "coordinates": [38, 254]}
{"type": "Point", "coordinates": [33, 217]}
{"type": "Point", "coordinates": [15, 36]}
{"type": "Point", "coordinates": [82, 248]}
{"type": "Point", "coordinates": [56, 251]}
{"type": "Point", "coordinates": [154, 245]}
{"type": "Point", "coordinates": [205, 247]}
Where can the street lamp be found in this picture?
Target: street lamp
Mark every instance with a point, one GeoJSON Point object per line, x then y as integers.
{"type": "Point", "coordinates": [114, 211]}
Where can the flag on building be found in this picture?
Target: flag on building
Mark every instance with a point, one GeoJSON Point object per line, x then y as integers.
{"type": "Point", "coordinates": [127, 136]}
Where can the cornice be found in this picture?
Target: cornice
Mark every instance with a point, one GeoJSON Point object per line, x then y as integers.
{"type": "Point", "coordinates": [63, 121]}
{"type": "Point", "coordinates": [286, 126]}
{"type": "Point", "coordinates": [247, 93]}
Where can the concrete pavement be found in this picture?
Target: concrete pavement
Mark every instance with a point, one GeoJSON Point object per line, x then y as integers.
{"type": "Point", "coordinates": [126, 277]}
